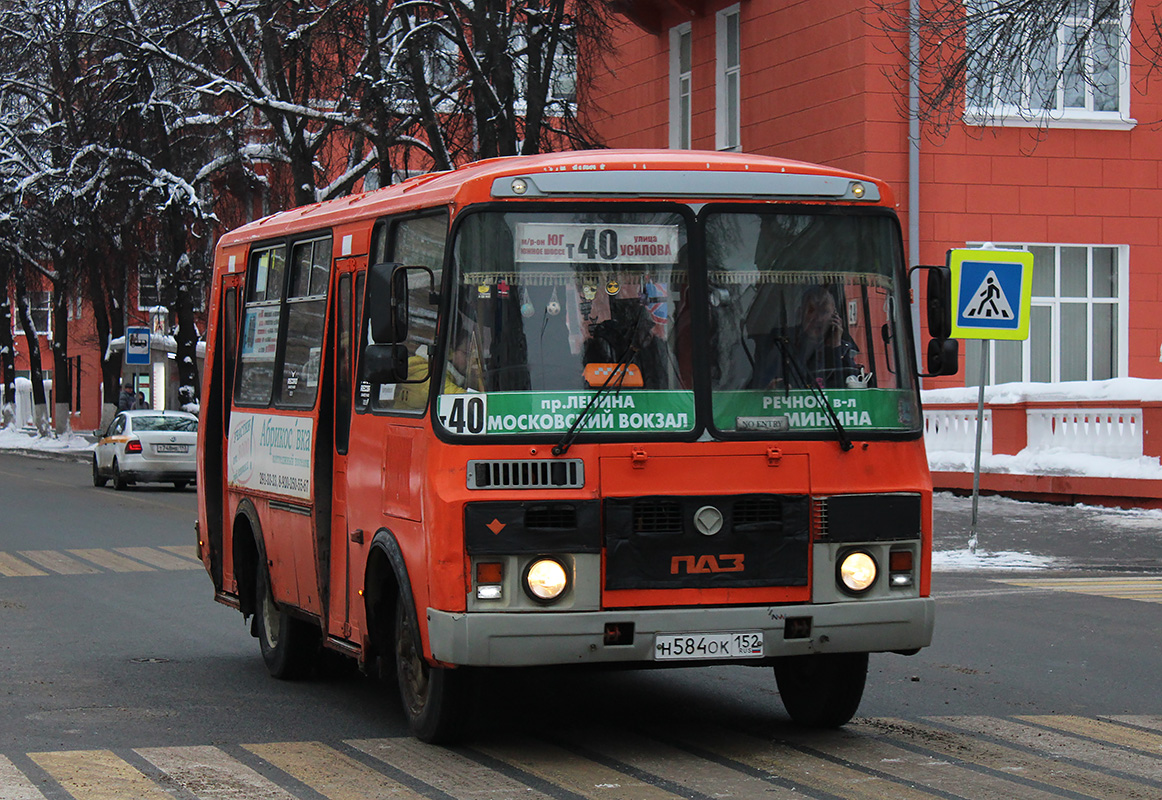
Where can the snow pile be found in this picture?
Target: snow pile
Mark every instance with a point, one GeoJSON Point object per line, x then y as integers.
{"type": "Point", "coordinates": [22, 439]}
{"type": "Point", "coordinates": [958, 560]}
{"type": "Point", "coordinates": [1048, 462]}
{"type": "Point", "coordinates": [1121, 390]}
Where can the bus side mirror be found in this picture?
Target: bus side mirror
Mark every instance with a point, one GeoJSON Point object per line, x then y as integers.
{"type": "Point", "coordinates": [943, 357]}
{"type": "Point", "coordinates": [384, 363]}
{"type": "Point", "coordinates": [386, 305]}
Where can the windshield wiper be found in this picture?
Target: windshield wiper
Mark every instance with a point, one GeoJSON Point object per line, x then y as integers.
{"type": "Point", "coordinates": [800, 371]}
{"type": "Point", "coordinates": [619, 372]}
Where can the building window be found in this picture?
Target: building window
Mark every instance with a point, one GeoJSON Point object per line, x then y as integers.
{"type": "Point", "coordinates": [40, 308]}
{"type": "Point", "coordinates": [680, 86]}
{"type": "Point", "coordinates": [1077, 324]}
{"type": "Point", "coordinates": [727, 94]}
{"type": "Point", "coordinates": [1076, 77]}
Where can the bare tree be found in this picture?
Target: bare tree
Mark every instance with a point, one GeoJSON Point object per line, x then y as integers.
{"type": "Point", "coordinates": [1029, 59]}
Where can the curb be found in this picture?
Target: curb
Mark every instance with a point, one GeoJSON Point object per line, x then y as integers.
{"type": "Point", "coordinates": [79, 456]}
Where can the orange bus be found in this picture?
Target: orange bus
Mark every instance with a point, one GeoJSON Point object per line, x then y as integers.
{"type": "Point", "coordinates": [613, 407]}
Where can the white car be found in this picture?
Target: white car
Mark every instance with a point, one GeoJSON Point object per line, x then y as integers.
{"type": "Point", "coordinates": [147, 445]}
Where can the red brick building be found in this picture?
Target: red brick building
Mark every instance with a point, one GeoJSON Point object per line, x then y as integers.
{"type": "Point", "coordinates": [816, 81]}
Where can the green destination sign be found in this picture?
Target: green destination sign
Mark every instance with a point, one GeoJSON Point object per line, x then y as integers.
{"type": "Point", "coordinates": [627, 411]}
{"type": "Point", "coordinates": [801, 410]}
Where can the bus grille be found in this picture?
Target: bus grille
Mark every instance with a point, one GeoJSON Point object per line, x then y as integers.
{"type": "Point", "coordinates": [526, 474]}
{"type": "Point", "coordinates": [657, 516]}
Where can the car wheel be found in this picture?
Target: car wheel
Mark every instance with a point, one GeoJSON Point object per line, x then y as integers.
{"type": "Point", "coordinates": [98, 479]}
{"type": "Point", "coordinates": [119, 480]}
{"type": "Point", "coordinates": [289, 645]}
{"type": "Point", "coordinates": [435, 699]}
{"type": "Point", "coordinates": [822, 690]}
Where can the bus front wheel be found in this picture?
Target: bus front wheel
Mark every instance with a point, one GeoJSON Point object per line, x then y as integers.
{"type": "Point", "coordinates": [822, 690]}
{"type": "Point", "coordinates": [434, 698]}
{"type": "Point", "coordinates": [288, 644]}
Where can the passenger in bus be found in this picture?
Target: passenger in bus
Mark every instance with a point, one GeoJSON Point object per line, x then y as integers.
{"type": "Point", "coordinates": [816, 352]}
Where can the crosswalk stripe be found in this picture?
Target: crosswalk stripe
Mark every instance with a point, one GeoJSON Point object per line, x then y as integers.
{"type": "Point", "coordinates": [1148, 590]}
{"type": "Point", "coordinates": [58, 562]}
{"type": "Point", "coordinates": [868, 748]}
{"type": "Point", "coordinates": [188, 551]}
{"type": "Point", "coordinates": [15, 785]}
{"type": "Point", "coordinates": [574, 772]}
{"type": "Point", "coordinates": [98, 775]}
{"type": "Point", "coordinates": [159, 559]}
{"type": "Point", "coordinates": [1150, 721]}
{"type": "Point", "coordinates": [695, 773]}
{"type": "Point", "coordinates": [1060, 745]}
{"type": "Point", "coordinates": [450, 772]}
{"type": "Point", "coordinates": [802, 769]}
{"type": "Point", "coordinates": [1010, 760]}
{"type": "Point", "coordinates": [331, 773]}
{"type": "Point", "coordinates": [210, 774]}
{"type": "Point", "coordinates": [13, 567]}
{"type": "Point", "coordinates": [1101, 731]}
{"type": "Point", "coordinates": [111, 561]}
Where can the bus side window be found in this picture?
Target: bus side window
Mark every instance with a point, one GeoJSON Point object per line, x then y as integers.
{"type": "Point", "coordinates": [343, 364]}
{"type": "Point", "coordinates": [415, 241]}
{"type": "Point", "coordinates": [261, 317]}
{"type": "Point", "coordinates": [363, 391]}
{"type": "Point", "coordinates": [306, 310]}
{"type": "Point", "coordinates": [230, 350]}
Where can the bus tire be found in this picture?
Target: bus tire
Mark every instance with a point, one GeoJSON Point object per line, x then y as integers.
{"type": "Point", "coordinates": [288, 644]}
{"type": "Point", "coordinates": [434, 698]}
{"type": "Point", "coordinates": [822, 690]}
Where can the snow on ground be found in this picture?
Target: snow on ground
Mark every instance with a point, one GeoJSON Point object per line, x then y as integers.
{"type": "Point", "coordinates": [964, 561]}
{"type": "Point", "coordinates": [17, 439]}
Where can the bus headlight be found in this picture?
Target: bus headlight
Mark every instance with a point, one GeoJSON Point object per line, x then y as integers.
{"type": "Point", "coordinates": [857, 571]}
{"type": "Point", "coordinates": [545, 580]}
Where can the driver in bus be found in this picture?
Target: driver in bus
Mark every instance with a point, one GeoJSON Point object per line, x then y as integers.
{"type": "Point", "coordinates": [817, 352]}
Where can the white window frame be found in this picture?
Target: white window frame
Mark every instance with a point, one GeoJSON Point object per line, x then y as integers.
{"type": "Point", "coordinates": [1054, 303]}
{"type": "Point", "coordinates": [681, 88]}
{"type": "Point", "coordinates": [727, 92]}
{"type": "Point", "coordinates": [33, 307]}
{"type": "Point", "coordinates": [1003, 114]}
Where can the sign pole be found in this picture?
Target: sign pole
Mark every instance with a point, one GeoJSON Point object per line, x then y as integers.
{"type": "Point", "coordinates": [984, 355]}
{"type": "Point", "coordinates": [993, 292]}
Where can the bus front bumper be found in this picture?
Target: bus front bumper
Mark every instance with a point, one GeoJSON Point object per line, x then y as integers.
{"type": "Point", "coordinates": [482, 639]}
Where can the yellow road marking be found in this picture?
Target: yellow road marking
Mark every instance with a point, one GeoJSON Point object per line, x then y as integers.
{"type": "Point", "coordinates": [98, 775]}
{"type": "Point", "coordinates": [330, 772]}
{"type": "Point", "coordinates": [13, 567]}
{"type": "Point", "coordinates": [1148, 590]}
{"type": "Point", "coordinates": [1102, 731]}
{"type": "Point", "coordinates": [58, 562]}
{"type": "Point", "coordinates": [112, 561]}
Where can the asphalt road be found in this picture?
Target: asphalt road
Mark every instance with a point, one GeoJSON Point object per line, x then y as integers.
{"type": "Point", "coordinates": [120, 668]}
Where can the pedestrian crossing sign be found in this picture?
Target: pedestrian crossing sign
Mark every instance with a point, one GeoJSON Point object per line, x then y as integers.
{"type": "Point", "coordinates": [992, 290]}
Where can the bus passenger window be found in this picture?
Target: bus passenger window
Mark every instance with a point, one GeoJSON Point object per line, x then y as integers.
{"type": "Point", "coordinates": [263, 309]}
{"type": "Point", "coordinates": [306, 308]}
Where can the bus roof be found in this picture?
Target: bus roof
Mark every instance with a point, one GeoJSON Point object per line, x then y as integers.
{"type": "Point", "coordinates": [676, 174]}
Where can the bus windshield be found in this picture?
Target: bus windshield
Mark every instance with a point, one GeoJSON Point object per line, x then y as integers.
{"type": "Point", "coordinates": [550, 308]}
{"type": "Point", "coordinates": [805, 306]}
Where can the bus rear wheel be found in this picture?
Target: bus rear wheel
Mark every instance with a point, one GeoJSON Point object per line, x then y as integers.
{"type": "Point", "coordinates": [288, 644]}
{"type": "Point", "coordinates": [434, 698]}
{"type": "Point", "coordinates": [822, 690]}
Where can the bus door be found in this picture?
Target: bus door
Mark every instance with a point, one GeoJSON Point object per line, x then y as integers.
{"type": "Point", "coordinates": [347, 544]}
{"type": "Point", "coordinates": [217, 421]}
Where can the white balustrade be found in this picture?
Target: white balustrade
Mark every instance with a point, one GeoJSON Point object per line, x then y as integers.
{"type": "Point", "coordinates": [1111, 432]}
{"type": "Point", "coordinates": [954, 429]}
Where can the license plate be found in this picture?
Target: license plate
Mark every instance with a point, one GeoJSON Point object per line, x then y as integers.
{"type": "Point", "coordinates": [725, 644]}
{"type": "Point", "coordinates": [172, 448]}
